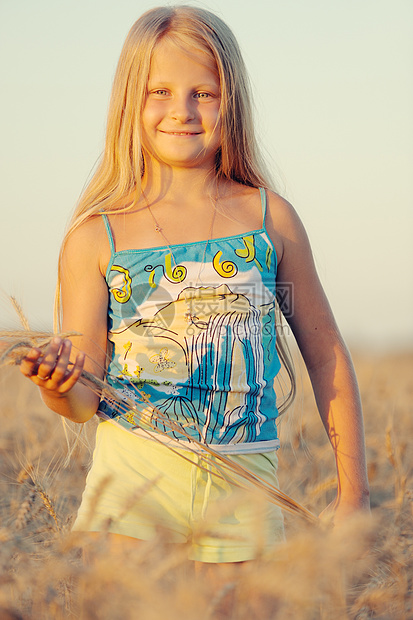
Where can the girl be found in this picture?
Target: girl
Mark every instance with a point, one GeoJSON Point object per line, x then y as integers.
{"type": "Point", "coordinates": [171, 266]}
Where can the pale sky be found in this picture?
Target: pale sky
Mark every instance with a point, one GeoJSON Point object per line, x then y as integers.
{"type": "Point", "coordinates": [333, 87]}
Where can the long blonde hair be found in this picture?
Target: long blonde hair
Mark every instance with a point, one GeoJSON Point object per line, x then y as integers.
{"type": "Point", "coordinates": [120, 170]}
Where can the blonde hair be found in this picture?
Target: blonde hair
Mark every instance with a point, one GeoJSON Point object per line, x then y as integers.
{"type": "Point", "coordinates": [120, 170]}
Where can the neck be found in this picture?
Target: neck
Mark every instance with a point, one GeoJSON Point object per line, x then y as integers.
{"type": "Point", "coordinates": [177, 184]}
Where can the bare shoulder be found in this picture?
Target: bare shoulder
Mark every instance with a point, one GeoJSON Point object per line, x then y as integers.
{"type": "Point", "coordinates": [241, 207]}
{"type": "Point", "coordinates": [283, 224]}
{"type": "Point", "coordinates": [239, 198]}
{"type": "Point", "coordinates": [87, 245]}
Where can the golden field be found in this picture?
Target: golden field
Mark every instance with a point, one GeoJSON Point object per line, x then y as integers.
{"type": "Point", "coordinates": [363, 570]}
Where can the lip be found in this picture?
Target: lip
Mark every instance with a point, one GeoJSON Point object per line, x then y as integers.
{"type": "Point", "coordinates": [181, 133]}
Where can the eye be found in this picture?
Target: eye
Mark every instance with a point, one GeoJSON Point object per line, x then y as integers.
{"type": "Point", "coordinates": [203, 95]}
{"type": "Point", "coordinates": [158, 92]}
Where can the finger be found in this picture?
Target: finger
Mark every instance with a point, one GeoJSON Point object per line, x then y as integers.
{"type": "Point", "coordinates": [60, 369]}
{"type": "Point", "coordinates": [48, 362]}
{"type": "Point", "coordinates": [74, 374]}
{"type": "Point", "coordinates": [29, 364]}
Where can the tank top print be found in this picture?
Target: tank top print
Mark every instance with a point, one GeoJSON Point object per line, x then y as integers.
{"type": "Point", "coordinates": [192, 326]}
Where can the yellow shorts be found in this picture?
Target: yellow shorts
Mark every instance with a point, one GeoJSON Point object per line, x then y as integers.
{"type": "Point", "coordinates": [137, 487]}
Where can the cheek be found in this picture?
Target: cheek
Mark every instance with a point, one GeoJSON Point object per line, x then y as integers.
{"type": "Point", "coordinates": [151, 115]}
{"type": "Point", "coordinates": [217, 127]}
{"type": "Point", "coordinates": [147, 128]}
{"type": "Point", "coordinates": [213, 118]}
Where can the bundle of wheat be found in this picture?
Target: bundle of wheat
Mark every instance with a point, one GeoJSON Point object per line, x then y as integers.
{"type": "Point", "coordinates": [14, 346]}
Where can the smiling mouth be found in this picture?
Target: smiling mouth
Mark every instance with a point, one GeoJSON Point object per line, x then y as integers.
{"type": "Point", "coordinates": [182, 133]}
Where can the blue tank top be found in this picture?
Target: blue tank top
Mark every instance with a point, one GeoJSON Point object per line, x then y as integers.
{"type": "Point", "coordinates": [192, 326]}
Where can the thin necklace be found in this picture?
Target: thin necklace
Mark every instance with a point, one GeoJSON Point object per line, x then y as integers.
{"type": "Point", "coordinates": [189, 315]}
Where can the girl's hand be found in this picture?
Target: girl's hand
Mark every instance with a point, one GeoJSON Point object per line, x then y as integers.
{"type": "Point", "coordinates": [51, 368]}
{"type": "Point", "coordinates": [340, 510]}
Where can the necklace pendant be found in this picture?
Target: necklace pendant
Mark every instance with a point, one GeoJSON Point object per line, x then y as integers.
{"type": "Point", "coordinates": [158, 229]}
{"type": "Point", "coordinates": [189, 317]}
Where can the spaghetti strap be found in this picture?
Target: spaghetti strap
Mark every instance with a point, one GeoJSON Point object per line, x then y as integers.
{"type": "Point", "coordinates": [109, 233]}
{"type": "Point", "coordinates": [263, 204]}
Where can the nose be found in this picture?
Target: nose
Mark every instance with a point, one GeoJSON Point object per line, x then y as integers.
{"type": "Point", "coordinates": [183, 109]}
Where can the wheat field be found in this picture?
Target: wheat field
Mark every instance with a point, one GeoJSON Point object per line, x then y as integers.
{"type": "Point", "coordinates": [363, 570]}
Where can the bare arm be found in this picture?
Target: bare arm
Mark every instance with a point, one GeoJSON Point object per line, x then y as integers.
{"type": "Point", "coordinates": [326, 357]}
{"type": "Point", "coordinates": [84, 303]}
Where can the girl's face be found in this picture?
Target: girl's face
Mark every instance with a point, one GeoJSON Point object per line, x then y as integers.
{"type": "Point", "coordinates": [180, 118]}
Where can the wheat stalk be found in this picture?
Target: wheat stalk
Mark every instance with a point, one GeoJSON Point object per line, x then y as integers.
{"type": "Point", "coordinates": [20, 313]}
{"type": "Point", "coordinates": [393, 455]}
{"type": "Point", "coordinates": [28, 474]}
{"type": "Point", "coordinates": [24, 514]}
{"type": "Point", "coordinates": [19, 342]}
{"type": "Point", "coordinates": [15, 344]}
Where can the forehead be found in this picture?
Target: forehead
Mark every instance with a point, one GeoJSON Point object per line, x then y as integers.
{"type": "Point", "coordinates": [171, 57]}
